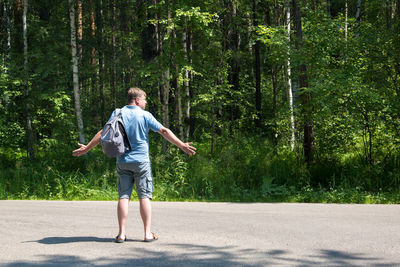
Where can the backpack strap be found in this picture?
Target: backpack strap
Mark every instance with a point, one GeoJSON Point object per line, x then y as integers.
{"type": "Point", "coordinates": [126, 138]}
{"type": "Point", "coordinates": [118, 112]}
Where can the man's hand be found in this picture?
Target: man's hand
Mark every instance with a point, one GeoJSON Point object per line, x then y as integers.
{"type": "Point", "coordinates": [171, 137]}
{"type": "Point", "coordinates": [188, 149]}
{"type": "Point", "coordinates": [80, 151]}
{"type": "Point", "coordinates": [86, 148]}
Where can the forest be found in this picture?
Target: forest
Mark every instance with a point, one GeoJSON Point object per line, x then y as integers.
{"type": "Point", "coordinates": [285, 100]}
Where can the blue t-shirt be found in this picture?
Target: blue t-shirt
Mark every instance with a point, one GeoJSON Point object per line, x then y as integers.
{"type": "Point", "coordinates": [137, 123]}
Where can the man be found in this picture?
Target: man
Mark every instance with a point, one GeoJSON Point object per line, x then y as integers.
{"type": "Point", "coordinates": [134, 166]}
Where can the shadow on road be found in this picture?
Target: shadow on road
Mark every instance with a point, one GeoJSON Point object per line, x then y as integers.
{"type": "Point", "coordinates": [197, 255]}
{"type": "Point", "coordinates": [74, 239]}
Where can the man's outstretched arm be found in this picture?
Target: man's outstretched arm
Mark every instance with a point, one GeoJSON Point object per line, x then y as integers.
{"type": "Point", "coordinates": [83, 149]}
{"type": "Point", "coordinates": [170, 136]}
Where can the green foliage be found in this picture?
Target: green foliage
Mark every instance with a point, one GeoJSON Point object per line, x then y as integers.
{"type": "Point", "coordinates": [352, 78]}
{"type": "Point", "coordinates": [240, 169]}
{"type": "Point", "coordinates": [45, 180]}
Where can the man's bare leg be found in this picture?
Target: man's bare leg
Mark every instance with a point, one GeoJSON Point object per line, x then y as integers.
{"type": "Point", "coordinates": [123, 206]}
{"type": "Point", "coordinates": [145, 213]}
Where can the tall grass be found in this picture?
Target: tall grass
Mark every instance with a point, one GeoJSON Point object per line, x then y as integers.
{"type": "Point", "coordinates": [239, 169]}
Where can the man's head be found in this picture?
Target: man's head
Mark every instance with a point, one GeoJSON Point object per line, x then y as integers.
{"type": "Point", "coordinates": [137, 97]}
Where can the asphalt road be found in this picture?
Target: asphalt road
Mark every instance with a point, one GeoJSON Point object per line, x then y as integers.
{"type": "Point", "coordinates": [52, 233]}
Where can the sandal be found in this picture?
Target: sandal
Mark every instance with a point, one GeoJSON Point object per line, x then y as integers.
{"type": "Point", "coordinates": [155, 238]}
{"type": "Point", "coordinates": [117, 240]}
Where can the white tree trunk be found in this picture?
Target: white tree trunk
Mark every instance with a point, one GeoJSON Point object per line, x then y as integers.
{"type": "Point", "coordinates": [178, 97]}
{"type": "Point", "coordinates": [75, 77]}
{"type": "Point", "coordinates": [178, 109]}
{"type": "Point", "coordinates": [26, 85]}
{"type": "Point", "coordinates": [165, 78]}
{"type": "Point", "coordinates": [249, 29]}
{"type": "Point", "coordinates": [165, 88]}
{"type": "Point", "coordinates": [358, 18]}
{"type": "Point", "coordinates": [289, 73]}
{"type": "Point", "coordinates": [346, 19]}
{"type": "Point", "coordinates": [24, 29]}
{"type": "Point", "coordinates": [186, 88]}
{"type": "Point", "coordinates": [7, 21]}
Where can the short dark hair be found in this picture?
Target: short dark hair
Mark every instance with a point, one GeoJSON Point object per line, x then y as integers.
{"type": "Point", "coordinates": [134, 93]}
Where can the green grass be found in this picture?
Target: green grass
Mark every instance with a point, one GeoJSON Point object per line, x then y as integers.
{"type": "Point", "coordinates": [78, 188]}
{"type": "Point", "coordinates": [240, 170]}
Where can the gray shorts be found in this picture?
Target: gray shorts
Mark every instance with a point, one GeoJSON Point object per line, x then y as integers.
{"type": "Point", "coordinates": [138, 173]}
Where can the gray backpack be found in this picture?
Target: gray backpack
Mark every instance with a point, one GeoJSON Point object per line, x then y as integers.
{"type": "Point", "coordinates": [114, 139]}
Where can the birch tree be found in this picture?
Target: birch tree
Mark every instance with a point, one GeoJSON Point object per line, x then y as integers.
{"type": "Point", "coordinates": [358, 18]}
{"type": "Point", "coordinates": [26, 84]}
{"type": "Point", "coordinates": [346, 19]}
{"type": "Point", "coordinates": [165, 80]}
{"type": "Point", "coordinates": [7, 22]}
{"type": "Point", "coordinates": [186, 41]}
{"type": "Point", "coordinates": [75, 73]}
{"type": "Point", "coordinates": [178, 98]}
{"type": "Point", "coordinates": [165, 74]}
{"type": "Point", "coordinates": [289, 74]}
